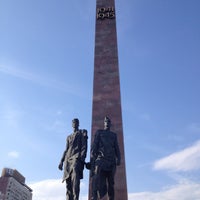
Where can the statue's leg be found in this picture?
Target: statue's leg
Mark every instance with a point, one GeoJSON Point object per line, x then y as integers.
{"type": "Point", "coordinates": [75, 185]}
{"type": "Point", "coordinates": [102, 187]}
{"type": "Point", "coordinates": [69, 194]}
{"type": "Point", "coordinates": [110, 179]}
{"type": "Point", "coordinates": [94, 187]}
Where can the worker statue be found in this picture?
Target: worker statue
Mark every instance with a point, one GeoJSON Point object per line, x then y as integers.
{"type": "Point", "coordinates": [74, 159]}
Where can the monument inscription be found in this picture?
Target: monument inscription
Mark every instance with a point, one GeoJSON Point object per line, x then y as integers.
{"type": "Point", "coordinates": [105, 13]}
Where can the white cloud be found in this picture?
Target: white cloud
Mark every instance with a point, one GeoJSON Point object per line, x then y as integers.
{"type": "Point", "coordinates": [185, 160]}
{"type": "Point", "coordinates": [13, 154]}
{"type": "Point", "coordinates": [57, 126]}
{"type": "Point", "coordinates": [53, 189]}
{"type": "Point", "coordinates": [41, 80]}
{"type": "Point", "coordinates": [184, 191]}
{"type": "Point", "coordinates": [59, 112]}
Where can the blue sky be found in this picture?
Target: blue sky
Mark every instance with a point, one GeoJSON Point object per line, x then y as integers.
{"type": "Point", "coordinates": [46, 77]}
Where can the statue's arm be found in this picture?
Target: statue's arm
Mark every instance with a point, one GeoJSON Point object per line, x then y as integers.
{"type": "Point", "coordinates": [63, 157]}
{"type": "Point", "coordinates": [84, 139]}
{"type": "Point", "coordinates": [60, 166]}
{"type": "Point", "coordinates": [117, 152]}
{"type": "Point", "coordinates": [95, 145]}
{"type": "Point", "coordinates": [94, 153]}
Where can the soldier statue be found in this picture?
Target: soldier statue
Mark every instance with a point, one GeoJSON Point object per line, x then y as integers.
{"type": "Point", "coordinates": [74, 159]}
{"type": "Point", "coordinates": [105, 156]}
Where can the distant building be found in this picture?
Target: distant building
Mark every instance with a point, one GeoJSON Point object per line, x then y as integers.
{"type": "Point", "coordinates": [13, 187]}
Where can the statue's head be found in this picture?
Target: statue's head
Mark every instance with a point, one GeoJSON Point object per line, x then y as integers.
{"type": "Point", "coordinates": [107, 123]}
{"type": "Point", "coordinates": [75, 123]}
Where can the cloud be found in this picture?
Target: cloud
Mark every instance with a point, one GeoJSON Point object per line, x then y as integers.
{"type": "Point", "coordinates": [13, 154]}
{"type": "Point", "coordinates": [59, 112]}
{"type": "Point", "coordinates": [41, 80]}
{"type": "Point", "coordinates": [53, 189]}
{"type": "Point", "coordinates": [57, 126]}
{"type": "Point", "coordinates": [186, 160]}
{"type": "Point", "coordinates": [48, 189]}
{"type": "Point", "coordinates": [18, 73]}
{"type": "Point", "coordinates": [183, 191]}
{"type": "Point", "coordinates": [25, 75]}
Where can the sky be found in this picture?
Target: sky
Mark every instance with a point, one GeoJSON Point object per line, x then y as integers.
{"type": "Point", "coordinates": [46, 80]}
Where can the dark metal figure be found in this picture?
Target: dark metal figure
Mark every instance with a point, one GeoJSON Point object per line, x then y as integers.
{"type": "Point", "coordinates": [105, 155]}
{"type": "Point", "coordinates": [74, 159]}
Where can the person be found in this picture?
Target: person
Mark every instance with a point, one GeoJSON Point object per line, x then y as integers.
{"type": "Point", "coordinates": [74, 159]}
{"type": "Point", "coordinates": [105, 156]}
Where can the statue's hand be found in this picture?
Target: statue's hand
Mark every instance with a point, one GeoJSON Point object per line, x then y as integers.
{"type": "Point", "coordinates": [118, 162]}
{"type": "Point", "coordinates": [60, 166]}
{"type": "Point", "coordinates": [88, 165]}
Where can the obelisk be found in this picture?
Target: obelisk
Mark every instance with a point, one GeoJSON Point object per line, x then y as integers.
{"type": "Point", "coordinates": [106, 86]}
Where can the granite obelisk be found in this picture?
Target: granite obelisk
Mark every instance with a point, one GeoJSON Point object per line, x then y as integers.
{"type": "Point", "coordinates": [106, 85]}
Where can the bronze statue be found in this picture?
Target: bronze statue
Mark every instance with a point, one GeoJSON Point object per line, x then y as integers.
{"type": "Point", "coordinates": [74, 159]}
{"type": "Point", "coordinates": [105, 156]}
